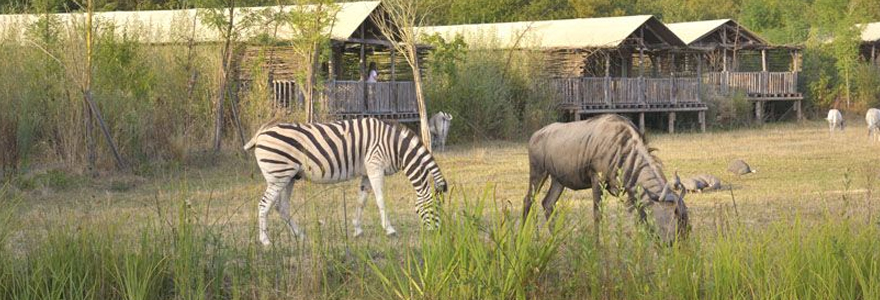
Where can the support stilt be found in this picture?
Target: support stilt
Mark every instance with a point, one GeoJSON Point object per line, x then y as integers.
{"type": "Point", "coordinates": [672, 122]}
{"type": "Point", "coordinates": [642, 122]}
{"type": "Point", "coordinates": [702, 116]}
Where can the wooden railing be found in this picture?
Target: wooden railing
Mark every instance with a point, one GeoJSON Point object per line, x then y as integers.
{"type": "Point", "coordinates": [611, 91]}
{"type": "Point", "coordinates": [354, 97]}
{"type": "Point", "coordinates": [754, 83]}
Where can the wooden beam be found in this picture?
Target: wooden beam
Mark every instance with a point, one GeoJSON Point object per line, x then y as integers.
{"type": "Point", "coordinates": [672, 122]}
{"type": "Point", "coordinates": [369, 41]}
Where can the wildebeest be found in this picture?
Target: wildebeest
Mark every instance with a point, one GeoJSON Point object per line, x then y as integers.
{"type": "Point", "coordinates": [872, 117]}
{"type": "Point", "coordinates": [835, 121]}
{"type": "Point", "coordinates": [604, 152]}
{"type": "Point", "coordinates": [740, 167]}
{"type": "Point", "coordinates": [439, 126]}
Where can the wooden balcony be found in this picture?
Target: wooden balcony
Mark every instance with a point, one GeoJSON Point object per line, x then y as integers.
{"type": "Point", "coordinates": [353, 99]}
{"type": "Point", "coordinates": [626, 95]}
{"type": "Point", "coordinates": [763, 86]}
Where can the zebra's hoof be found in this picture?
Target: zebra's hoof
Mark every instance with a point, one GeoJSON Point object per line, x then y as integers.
{"type": "Point", "coordinates": [358, 232]}
{"type": "Point", "coordinates": [390, 232]}
{"type": "Point", "coordinates": [265, 242]}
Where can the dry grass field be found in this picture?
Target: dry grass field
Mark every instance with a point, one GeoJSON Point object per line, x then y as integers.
{"type": "Point", "coordinates": [805, 180]}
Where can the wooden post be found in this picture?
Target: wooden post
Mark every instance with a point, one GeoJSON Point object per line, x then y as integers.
{"type": "Point", "coordinates": [765, 76]}
{"type": "Point", "coordinates": [759, 111]}
{"type": "Point", "coordinates": [874, 54]}
{"type": "Point", "coordinates": [641, 75]}
{"type": "Point", "coordinates": [672, 122]}
{"type": "Point", "coordinates": [764, 60]}
{"type": "Point", "coordinates": [394, 83]}
{"type": "Point", "coordinates": [642, 122]}
{"type": "Point", "coordinates": [607, 86]}
{"type": "Point", "coordinates": [799, 109]}
{"type": "Point", "coordinates": [724, 60]}
{"type": "Point", "coordinates": [702, 118]}
{"type": "Point", "coordinates": [699, 57]}
{"type": "Point", "coordinates": [331, 65]}
{"type": "Point", "coordinates": [672, 95]}
{"type": "Point", "coordinates": [363, 65]}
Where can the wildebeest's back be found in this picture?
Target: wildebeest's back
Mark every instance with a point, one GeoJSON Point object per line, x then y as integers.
{"type": "Point", "coordinates": [579, 149]}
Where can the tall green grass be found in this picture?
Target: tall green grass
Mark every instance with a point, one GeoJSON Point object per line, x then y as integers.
{"type": "Point", "coordinates": [483, 250]}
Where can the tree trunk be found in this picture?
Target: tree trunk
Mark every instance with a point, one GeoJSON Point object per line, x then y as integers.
{"type": "Point", "coordinates": [420, 99]}
{"type": "Point", "coordinates": [310, 83]}
{"type": "Point", "coordinates": [224, 78]}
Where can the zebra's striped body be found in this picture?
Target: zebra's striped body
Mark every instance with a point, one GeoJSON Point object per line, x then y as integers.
{"type": "Point", "coordinates": [340, 151]}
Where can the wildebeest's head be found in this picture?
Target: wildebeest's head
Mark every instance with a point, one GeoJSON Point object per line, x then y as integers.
{"type": "Point", "coordinates": [670, 213]}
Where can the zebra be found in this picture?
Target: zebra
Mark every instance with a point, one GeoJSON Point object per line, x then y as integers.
{"type": "Point", "coordinates": [340, 151]}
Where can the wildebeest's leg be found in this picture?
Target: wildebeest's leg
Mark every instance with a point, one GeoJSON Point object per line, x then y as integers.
{"type": "Point", "coordinates": [359, 210]}
{"type": "Point", "coordinates": [537, 176]}
{"type": "Point", "coordinates": [377, 180]}
{"type": "Point", "coordinates": [552, 196]}
{"type": "Point", "coordinates": [283, 208]}
{"type": "Point", "coordinates": [273, 190]}
{"type": "Point", "coordinates": [597, 199]}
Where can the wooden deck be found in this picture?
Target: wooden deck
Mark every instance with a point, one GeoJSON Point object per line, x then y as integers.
{"type": "Point", "coordinates": [611, 94]}
{"type": "Point", "coordinates": [353, 99]}
{"type": "Point", "coordinates": [757, 86]}
{"type": "Point", "coordinates": [583, 96]}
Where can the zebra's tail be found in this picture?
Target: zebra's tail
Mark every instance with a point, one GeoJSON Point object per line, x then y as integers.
{"type": "Point", "coordinates": [253, 142]}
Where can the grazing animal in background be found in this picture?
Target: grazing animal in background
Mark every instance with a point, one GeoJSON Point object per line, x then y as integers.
{"type": "Point", "coordinates": [701, 183]}
{"type": "Point", "coordinates": [340, 151]}
{"type": "Point", "coordinates": [740, 167]}
{"type": "Point", "coordinates": [693, 184]}
{"type": "Point", "coordinates": [872, 117]}
{"type": "Point", "coordinates": [439, 126]}
{"type": "Point", "coordinates": [711, 182]}
{"type": "Point", "coordinates": [835, 121]}
{"type": "Point", "coordinates": [604, 152]}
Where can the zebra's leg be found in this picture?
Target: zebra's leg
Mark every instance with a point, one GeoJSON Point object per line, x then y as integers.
{"type": "Point", "coordinates": [359, 210]}
{"type": "Point", "coordinates": [273, 191]}
{"type": "Point", "coordinates": [283, 208]}
{"type": "Point", "coordinates": [377, 180]}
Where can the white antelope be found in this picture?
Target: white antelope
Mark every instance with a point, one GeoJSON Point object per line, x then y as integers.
{"type": "Point", "coordinates": [439, 126]}
{"type": "Point", "coordinates": [835, 121]}
{"type": "Point", "coordinates": [872, 117]}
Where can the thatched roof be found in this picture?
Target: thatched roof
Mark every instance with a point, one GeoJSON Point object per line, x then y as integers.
{"type": "Point", "coordinates": [713, 34]}
{"type": "Point", "coordinates": [870, 32]}
{"type": "Point", "coordinates": [172, 26]}
{"type": "Point", "coordinates": [590, 33]}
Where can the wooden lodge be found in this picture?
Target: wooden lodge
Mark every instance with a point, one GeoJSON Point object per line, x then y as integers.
{"type": "Point", "coordinates": [356, 43]}
{"type": "Point", "coordinates": [738, 60]}
{"type": "Point", "coordinates": [869, 48]}
{"type": "Point", "coordinates": [625, 65]}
